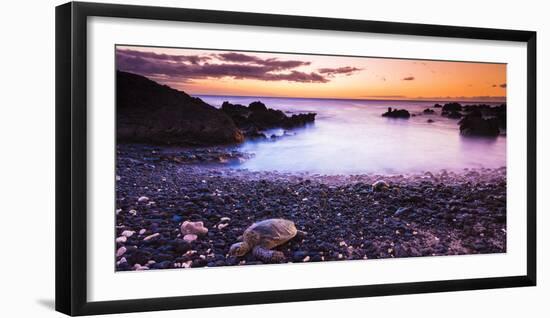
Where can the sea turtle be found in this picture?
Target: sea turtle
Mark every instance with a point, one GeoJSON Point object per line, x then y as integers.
{"type": "Point", "coordinates": [264, 235]}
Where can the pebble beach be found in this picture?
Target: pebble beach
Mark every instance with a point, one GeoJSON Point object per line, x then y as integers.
{"type": "Point", "coordinates": [432, 213]}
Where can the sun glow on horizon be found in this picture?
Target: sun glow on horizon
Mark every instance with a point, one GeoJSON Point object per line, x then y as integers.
{"type": "Point", "coordinates": [218, 72]}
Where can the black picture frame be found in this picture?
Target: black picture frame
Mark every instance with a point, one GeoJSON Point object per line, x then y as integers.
{"type": "Point", "coordinates": [71, 157]}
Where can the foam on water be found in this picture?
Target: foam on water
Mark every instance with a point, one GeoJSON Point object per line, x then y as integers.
{"type": "Point", "coordinates": [351, 137]}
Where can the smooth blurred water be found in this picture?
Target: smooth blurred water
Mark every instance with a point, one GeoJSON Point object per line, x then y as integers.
{"type": "Point", "coordinates": [351, 137]}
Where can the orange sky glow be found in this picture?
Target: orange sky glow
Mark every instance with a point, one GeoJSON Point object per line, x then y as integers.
{"type": "Point", "coordinates": [216, 72]}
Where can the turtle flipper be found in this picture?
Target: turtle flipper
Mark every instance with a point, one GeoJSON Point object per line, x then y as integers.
{"type": "Point", "coordinates": [268, 256]}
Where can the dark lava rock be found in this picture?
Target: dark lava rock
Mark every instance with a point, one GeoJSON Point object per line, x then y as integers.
{"type": "Point", "coordinates": [474, 124]}
{"type": "Point", "coordinates": [162, 265]}
{"type": "Point", "coordinates": [402, 211]}
{"type": "Point", "coordinates": [180, 246]}
{"type": "Point", "coordinates": [139, 257]}
{"type": "Point", "coordinates": [396, 113]}
{"type": "Point", "coordinates": [452, 114]}
{"type": "Point", "coordinates": [437, 106]}
{"type": "Point", "coordinates": [298, 256]}
{"type": "Point", "coordinates": [450, 107]}
{"type": "Point", "coordinates": [430, 121]}
{"type": "Point", "coordinates": [428, 111]}
{"type": "Point", "coordinates": [199, 262]}
{"type": "Point", "coordinates": [257, 117]}
{"type": "Point", "coordinates": [154, 113]}
{"type": "Point", "coordinates": [498, 112]}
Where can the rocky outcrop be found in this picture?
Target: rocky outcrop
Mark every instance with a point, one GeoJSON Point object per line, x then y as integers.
{"type": "Point", "coordinates": [452, 110]}
{"type": "Point", "coordinates": [153, 113]}
{"type": "Point", "coordinates": [397, 113]}
{"type": "Point", "coordinates": [474, 124]}
{"type": "Point", "coordinates": [449, 107]}
{"type": "Point", "coordinates": [428, 111]}
{"type": "Point", "coordinates": [488, 111]}
{"type": "Point", "coordinates": [257, 117]}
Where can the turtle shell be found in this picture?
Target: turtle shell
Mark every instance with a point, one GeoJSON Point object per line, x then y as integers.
{"type": "Point", "coordinates": [270, 233]}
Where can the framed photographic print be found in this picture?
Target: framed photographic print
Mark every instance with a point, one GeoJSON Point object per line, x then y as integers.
{"type": "Point", "coordinates": [208, 158]}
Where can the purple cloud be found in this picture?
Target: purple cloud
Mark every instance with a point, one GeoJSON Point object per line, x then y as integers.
{"type": "Point", "coordinates": [188, 67]}
{"type": "Point", "coordinates": [348, 70]}
{"type": "Point", "coordinates": [408, 78]}
{"type": "Point", "coordinates": [274, 63]}
{"type": "Point", "coordinates": [193, 59]}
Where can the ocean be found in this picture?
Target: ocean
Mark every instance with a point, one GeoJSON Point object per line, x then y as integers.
{"type": "Point", "coordinates": [351, 137]}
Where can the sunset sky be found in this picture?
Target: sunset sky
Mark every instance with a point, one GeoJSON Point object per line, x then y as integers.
{"type": "Point", "coordinates": [215, 72]}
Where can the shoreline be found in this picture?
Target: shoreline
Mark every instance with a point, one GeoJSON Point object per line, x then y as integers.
{"type": "Point", "coordinates": [424, 214]}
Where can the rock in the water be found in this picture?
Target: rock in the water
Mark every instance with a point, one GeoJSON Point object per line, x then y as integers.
{"type": "Point", "coordinates": [452, 114]}
{"type": "Point", "coordinates": [143, 199]}
{"type": "Point", "coordinates": [257, 117]}
{"type": "Point", "coordinates": [428, 111]}
{"type": "Point", "coordinates": [196, 228]}
{"type": "Point", "coordinates": [449, 107]}
{"type": "Point", "coordinates": [397, 113]}
{"type": "Point", "coordinates": [475, 125]}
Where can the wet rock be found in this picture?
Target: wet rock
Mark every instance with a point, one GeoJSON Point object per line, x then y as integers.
{"type": "Point", "coordinates": [428, 111]}
{"type": "Point", "coordinates": [474, 124]}
{"type": "Point", "coordinates": [396, 113]}
{"type": "Point", "coordinates": [257, 117]}
{"type": "Point", "coordinates": [449, 107]}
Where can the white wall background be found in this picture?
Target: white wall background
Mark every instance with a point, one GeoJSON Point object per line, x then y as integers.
{"type": "Point", "coordinates": [27, 158]}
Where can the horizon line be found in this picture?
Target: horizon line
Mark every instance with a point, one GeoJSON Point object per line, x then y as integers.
{"type": "Point", "coordinates": [369, 99]}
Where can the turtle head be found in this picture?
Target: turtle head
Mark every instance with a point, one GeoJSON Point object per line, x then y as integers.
{"type": "Point", "coordinates": [239, 249]}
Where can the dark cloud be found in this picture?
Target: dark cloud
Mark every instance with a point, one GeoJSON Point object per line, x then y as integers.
{"type": "Point", "coordinates": [503, 85]}
{"type": "Point", "coordinates": [164, 66]}
{"type": "Point", "coordinates": [193, 59]}
{"type": "Point", "coordinates": [408, 78]}
{"type": "Point", "coordinates": [274, 63]}
{"type": "Point", "coordinates": [348, 70]}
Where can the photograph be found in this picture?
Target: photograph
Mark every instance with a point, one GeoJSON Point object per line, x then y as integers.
{"type": "Point", "coordinates": [231, 157]}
